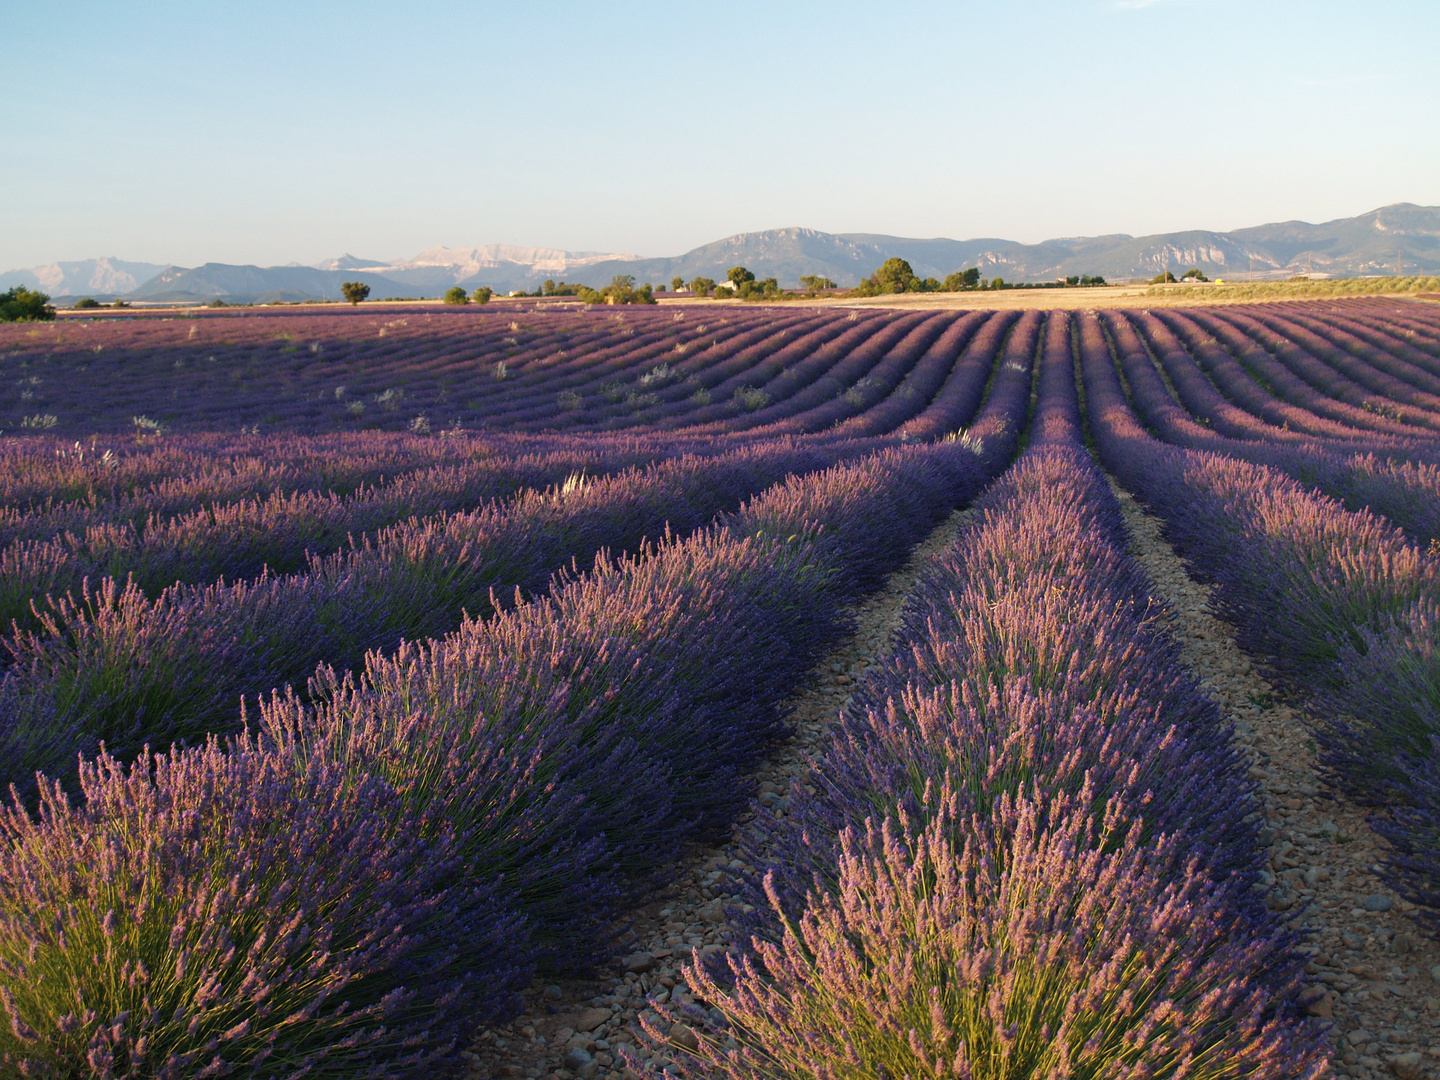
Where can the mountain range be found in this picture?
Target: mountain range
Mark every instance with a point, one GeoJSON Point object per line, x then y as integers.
{"type": "Point", "coordinates": [1402, 234]}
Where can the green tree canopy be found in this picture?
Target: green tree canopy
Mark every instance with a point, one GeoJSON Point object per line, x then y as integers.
{"type": "Point", "coordinates": [701, 286]}
{"type": "Point", "coordinates": [816, 282]}
{"type": "Point", "coordinates": [895, 275]}
{"type": "Point", "coordinates": [738, 275]}
{"type": "Point", "coordinates": [961, 279]}
{"type": "Point", "coordinates": [676, 284]}
{"type": "Point", "coordinates": [482, 294]}
{"type": "Point", "coordinates": [355, 291]}
{"type": "Point", "coordinates": [456, 295]}
{"type": "Point", "coordinates": [25, 305]}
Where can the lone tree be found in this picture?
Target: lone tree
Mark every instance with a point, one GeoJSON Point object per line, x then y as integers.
{"type": "Point", "coordinates": [738, 275]}
{"type": "Point", "coordinates": [482, 294]}
{"type": "Point", "coordinates": [355, 291]}
{"type": "Point", "coordinates": [701, 286]}
{"type": "Point", "coordinates": [456, 295]}
{"type": "Point", "coordinates": [895, 275]}
{"type": "Point", "coordinates": [676, 284]}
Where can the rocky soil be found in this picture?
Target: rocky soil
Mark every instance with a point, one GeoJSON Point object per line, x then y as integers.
{"type": "Point", "coordinates": [576, 1029]}
{"type": "Point", "coordinates": [1378, 976]}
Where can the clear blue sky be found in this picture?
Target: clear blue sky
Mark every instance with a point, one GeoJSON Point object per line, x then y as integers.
{"type": "Point", "coordinates": [270, 132]}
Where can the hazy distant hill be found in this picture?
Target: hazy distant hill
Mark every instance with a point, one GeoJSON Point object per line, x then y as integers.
{"type": "Point", "coordinates": [100, 278]}
{"type": "Point", "coordinates": [1346, 247]}
{"type": "Point", "coordinates": [501, 266]}
{"type": "Point", "coordinates": [1368, 244]}
{"type": "Point", "coordinates": [428, 274]}
{"type": "Point", "coordinates": [258, 285]}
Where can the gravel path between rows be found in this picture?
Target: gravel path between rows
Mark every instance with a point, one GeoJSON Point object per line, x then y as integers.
{"type": "Point", "coordinates": [1380, 976]}
{"type": "Point", "coordinates": [574, 1028]}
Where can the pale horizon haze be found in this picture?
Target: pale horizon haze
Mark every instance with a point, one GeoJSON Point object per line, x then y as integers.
{"type": "Point", "coordinates": [268, 133]}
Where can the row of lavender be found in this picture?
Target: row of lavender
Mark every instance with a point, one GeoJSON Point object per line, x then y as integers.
{"type": "Point", "coordinates": [1239, 373]}
{"type": "Point", "coordinates": [107, 663]}
{"type": "Point", "coordinates": [645, 370]}
{"type": "Point", "coordinates": [455, 813]}
{"type": "Point", "coordinates": [1030, 848]}
{"type": "Point", "coordinates": [1357, 600]}
{"type": "Point", "coordinates": [1362, 598]}
{"type": "Point", "coordinates": [54, 548]}
{"type": "Point", "coordinates": [171, 475]}
{"type": "Point", "coordinates": [132, 480]}
{"type": "Point", "coordinates": [1338, 389]}
{"type": "Point", "coordinates": [1380, 476]}
{"type": "Point", "coordinates": [342, 890]}
{"type": "Point", "coordinates": [132, 658]}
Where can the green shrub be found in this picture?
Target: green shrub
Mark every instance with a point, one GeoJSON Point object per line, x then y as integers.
{"type": "Point", "coordinates": [25, 305]}
{"type": "Point", "coordinates": [751, 398]}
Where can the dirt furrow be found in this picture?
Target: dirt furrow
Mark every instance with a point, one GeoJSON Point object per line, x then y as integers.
{"type": "Point", "coordinates": [571, 1029]}
{"type": "Point", "coordinates": [1378, 976]}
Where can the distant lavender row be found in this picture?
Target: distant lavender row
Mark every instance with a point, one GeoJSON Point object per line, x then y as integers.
{"type": "Point", "coordinates": [115, 666]}
{"type": "Point", "coordinates": [178, 473]}
{"type": "Point", "coordinates": [1357, 623]}
{"type": "Point", "coordinates": [1030, 850]}
{"type": "Point", "coordinates": [339, 371]}
{"type": "Point", "coordinates": [445, 819]}
{"type": "Point", "coordinates": [1292, 374]}
{"type": "Point", "coordinates": [1391, 363]}
{"type": "Point", "coordinates": [1210, 382]}
{"type": "Point", "coordinates": [1335, 366]}
{"type": "Point", "coordinates": [117, 480]}
{"type": "Point", "coordinates": [331, 371]}
{"type": "Point", "coordinates": [1235, 393]}
{"type": "Point", "coordinates": [240, 539]}
{"type": "Point", "coordinates": [1404, 491]}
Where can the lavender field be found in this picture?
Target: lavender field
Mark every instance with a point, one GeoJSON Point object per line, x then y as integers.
{"type": "Point", "coordinates": [363, 673]}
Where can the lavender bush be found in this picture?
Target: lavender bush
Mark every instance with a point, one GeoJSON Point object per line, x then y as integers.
{"type": "Point", "coordinates": [1358, 636]}
{"type": "Point", "coordinates": [1030, 849]}
{"type": "Point", "coordinates": [213, 912]}
{"type": "Point", "coordinates": [992, 946]}
{"type": "Point", "coordinates": [578, 739]}
{"type": "Point", "coordinates": [116, 666]}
